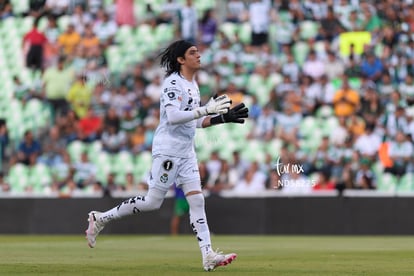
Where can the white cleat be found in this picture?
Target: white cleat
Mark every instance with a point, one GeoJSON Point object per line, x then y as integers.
{"type": "Point", "coordinates": [94, 228]}
{"type": "Point", "coordinates": [215, 259]}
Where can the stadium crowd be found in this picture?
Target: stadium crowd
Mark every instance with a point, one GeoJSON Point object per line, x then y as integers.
{"type": "Point", "coordinates": [343, 117]}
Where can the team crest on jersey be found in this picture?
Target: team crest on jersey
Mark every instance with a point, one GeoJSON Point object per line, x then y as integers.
{"type": "Point", "coordinates": [164, 178]}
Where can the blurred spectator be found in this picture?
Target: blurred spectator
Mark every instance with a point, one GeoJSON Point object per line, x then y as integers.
{"type": "Point", "coordinates": [68, 40]}
{"type": "Point", "coordinates": [52, 33]}
{"type": "Point", "coordinates": [394, 122]}
{"type": "Point", "coordinates": [213, 166]}
{"type": "Point", "coordinates": [85, 171]}
{"type": "Point", "coordinates": [288, 125]}
{"type": "Point", "coordinates": [80, 19]}
{"type": "Point", "coordinates": [137, 140]}
{"type": "Point", "coordinates": [4, 139]}
{"type": "Point", "coordinates": [207, 27]}
{"type": "Point", "coordinates": [153, 89]}
{"type": "Point", "coordinates": [29, 149]}
{"type": "Point", "coordinates": [346, 100]}
{"type": "Point", "coordinates": [188, 21]}
{"type": "Point", "coordinates": [56, 83]}
{"type": "Point", "coordinates": [4, 185]}
{"type": "Point", "coordinates": [330, 25]}
{"type": "Point", "coordinates": [334, 67]}
{"type": "Point", "coordinates": [372, 67]}
{"type": "Point", "coordinates": [291, 68]}
{"type": "Point", "coordinates": [90, 126]}
{"type": "Point", "coordinates": [89, 40]}
{"type": "Point", "coordinates": [313, 66]}
{"type": "Point", "coordinates": [407, 90]}
{"type": "Point", "coordinates": [259, 17]}
{"type": "Point", "coordinates": [79, 96]}
{"type": "Point", "coordinates": [129, 120]}
{"type": "Point", "coordinates": [368, 144]}
{"type": "Point", "coordinates": [371, 107]}
{"type": "Point", "coordinates": [111, 183]}
{"type": "Point", "coordinates": [401, 153]}
{"type": "Point", "coordinates": [62, 171]}
{"type": "Point", "coordinates": [236, 11]}
{"type": "Point", "coordinates": [364, 177]}
{"type": "Point", "coordinates": [57, 7]}
{"type": "Point", "coordinates": [264, 128]}
{"type": "Point", "coordinates": [125, 13]}
{"type": "Point", "coordinates": [34, 43]}
{"type": "Point", "coordinates": [68, 125]}
{"type": "Point", "coordinates": [113, 141]}
{"type": "Point", "coordinates": [323, 183]}
{"type": "Point", "coordinates": [105, 28]}
{"type": "Point", "coordinates": [253, 181]}
{"type": "Point", "coordinates": [123, 99]}
{"type": "Point", "coordinates": [226, 179]}
{"type": "Point", "coordinates": [169, 12]}
{"type": "Point", "coordinates": [53, 147]}
{"type": "Point", "coordinates": [112, 119]}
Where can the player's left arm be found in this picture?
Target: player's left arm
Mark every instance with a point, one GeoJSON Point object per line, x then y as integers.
{"type": "Point", "coordinates": [236, 114]}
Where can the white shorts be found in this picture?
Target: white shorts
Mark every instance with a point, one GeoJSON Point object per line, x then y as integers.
{"type": "Point", "coordinates": [167, 170]}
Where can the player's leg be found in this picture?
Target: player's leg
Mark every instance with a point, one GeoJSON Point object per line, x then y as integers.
{"type": "Point", "coordinates": [191, 186]}
{"type": "Point", "coordinates": [159, 183]}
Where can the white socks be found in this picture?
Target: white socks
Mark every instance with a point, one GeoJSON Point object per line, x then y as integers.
{"type": "Point", "coordinates": [151, 201]}
{"type": "Point", "coordinates": [198, 222]}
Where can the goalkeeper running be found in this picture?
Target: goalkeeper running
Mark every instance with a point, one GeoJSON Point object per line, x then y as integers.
{"type": "Point", "coordinates": [174, 157]}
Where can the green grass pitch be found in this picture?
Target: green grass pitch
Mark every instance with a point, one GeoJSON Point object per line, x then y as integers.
{"type": "Point", "coordinates": [165, 255]}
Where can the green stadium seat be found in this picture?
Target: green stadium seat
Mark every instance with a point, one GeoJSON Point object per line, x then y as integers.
{"type": "Point", "coordinates": [300, 51]}
{"type": "Point", "coordinates": [229, 29]}
{"type": "Point", "coordinates": [18, 177]}
{"type": "Point", "coordinates": [406, 183]}
{"type": "Point", "coordinates": [123, 162]}
{"type": "Point", "coordinates": [75, 149]}
{"type": "Point", "coordinates": [245, 33]}
{"type": "Point", "coordinates": [143, 163]}
{"type": "Point", "coordinates": [308, 29]}
{"type": "Point", "coordinates": [40, 177]}
{"type": "Point", "coordinates": [386, 182]}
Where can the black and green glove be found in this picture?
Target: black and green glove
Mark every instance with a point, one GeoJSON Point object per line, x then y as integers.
{"type": "Point", "coordinates": [234, 115]}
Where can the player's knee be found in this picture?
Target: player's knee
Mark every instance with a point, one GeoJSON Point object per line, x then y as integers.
{"type": "Point", "coordinates": [195, 200]}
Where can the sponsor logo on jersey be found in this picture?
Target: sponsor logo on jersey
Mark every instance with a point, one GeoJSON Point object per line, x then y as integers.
{"type": "Point", "coordinates": [164, 178]}
{"type": "Point", "coordinates": [168, 165]}
{"type": "Point", "coordinates": [173, 82]}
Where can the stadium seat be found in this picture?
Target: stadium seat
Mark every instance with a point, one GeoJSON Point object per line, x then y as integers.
{"type": "Point", "coordinates": [244, 32]}
{"type": "Point", "coordinates": [40, 177]}
{"type": "Point", "coordinates": [18, 177]}
{"type": "Point", "coordinates": [75, 149]}
{"type": "Point", "coordinates": [386, 182]}
{"type": "Point", "coordinates": [308, 29]}
{"type": "Point", "coordinates": [143, 163]}
{"type": "Point", "coordinates": [229, 30]}
{"type": "Point", "coordinates": [300, 52]}
{"type": "Point", "coordinates": [123, 163]}
{"type": "Point", "coordinates": [406, 183]}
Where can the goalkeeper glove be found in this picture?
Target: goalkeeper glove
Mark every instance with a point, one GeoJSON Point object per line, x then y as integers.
{"type": "Point", "coordinates": [235, 115]}
{"type": "Point", "coordinates": [216, 105]}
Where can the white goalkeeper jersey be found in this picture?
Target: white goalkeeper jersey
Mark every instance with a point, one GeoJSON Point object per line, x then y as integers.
{"type": "Point", "coordinates": [176, 140]}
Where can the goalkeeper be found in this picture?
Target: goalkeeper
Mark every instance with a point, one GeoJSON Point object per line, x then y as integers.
{"type": "Point", "coordinates": [174, 157]}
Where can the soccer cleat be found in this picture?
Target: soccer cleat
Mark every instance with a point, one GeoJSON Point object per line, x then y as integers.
{"type": "Point", "coordinates": [94, 228]}
{"type": "Point", "coordinates": [215, 259]}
